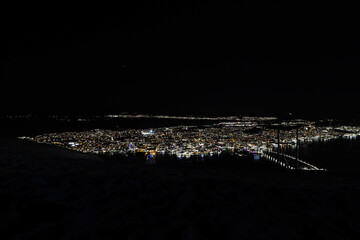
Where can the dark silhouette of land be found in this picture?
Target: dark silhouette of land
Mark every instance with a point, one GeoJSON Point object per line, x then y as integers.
{"type": "Point", "coordinates": [58, 195]}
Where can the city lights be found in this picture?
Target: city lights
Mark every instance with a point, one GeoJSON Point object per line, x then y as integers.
{"type": "Point", "coordinates": [253, 135]}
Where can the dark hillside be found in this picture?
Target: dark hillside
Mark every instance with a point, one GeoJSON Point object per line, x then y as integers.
{"type": "Point", "coordinates": [87, 198]}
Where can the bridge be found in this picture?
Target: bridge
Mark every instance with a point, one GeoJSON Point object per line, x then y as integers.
{"type": "Point", "coordinates": [288, 161]}
{"type": "Point", "coordinates": [284, 159]}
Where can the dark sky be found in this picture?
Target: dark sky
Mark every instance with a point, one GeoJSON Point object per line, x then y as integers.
{"type": "Point", "coordinates": [209, 57]}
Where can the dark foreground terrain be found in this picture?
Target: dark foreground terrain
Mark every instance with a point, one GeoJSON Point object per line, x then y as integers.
{"type": "Point", "coordinates": [47, 197]}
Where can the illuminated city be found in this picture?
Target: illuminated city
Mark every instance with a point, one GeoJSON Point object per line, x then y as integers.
{"type": "Point", "coordinates": [180, 120]}
{"type": "Point", "coordinates": [251, 135]}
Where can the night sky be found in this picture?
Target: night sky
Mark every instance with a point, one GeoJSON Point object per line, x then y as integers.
{"type": "Point", "coordinates": [203, 58]}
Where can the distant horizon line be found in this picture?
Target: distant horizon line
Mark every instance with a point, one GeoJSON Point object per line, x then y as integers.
{"type": "Point", "coordinates": [80, 116]}
{"type": "Point", "coordinates": [129, 114]}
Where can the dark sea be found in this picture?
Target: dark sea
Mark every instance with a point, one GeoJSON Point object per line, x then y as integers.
{"type": "Point", "coordinates": [338, 155]}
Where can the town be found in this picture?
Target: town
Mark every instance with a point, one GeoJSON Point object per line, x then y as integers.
{"type": "Point", "coordinates": [252, 135]}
